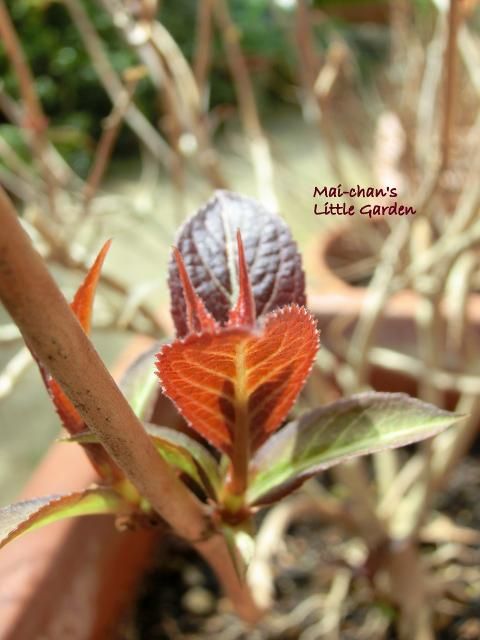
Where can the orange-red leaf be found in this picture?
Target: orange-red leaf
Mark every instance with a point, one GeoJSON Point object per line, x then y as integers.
{"type": "Point", "coordinates": [69, 416]}
{"type": "Point", "coordinates": [243, 313]}
{"type": "Point", "coordinates": [240, 383]}
{"type": "Point", "coordinates": [82, 304]}
{"type": "Point", "coordinates": [197, 317]}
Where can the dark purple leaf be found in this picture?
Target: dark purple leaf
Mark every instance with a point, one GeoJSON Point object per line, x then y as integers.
{"type": "Point", "coordinates": [207, 242]}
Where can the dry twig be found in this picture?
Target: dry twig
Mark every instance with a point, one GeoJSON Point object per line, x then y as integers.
{"type": "Point", "coordinates": [149, 136]}
{"type": "Point", "coordinates": [111, 129]}
{"type": "Point", "coordinates": [259, 146]}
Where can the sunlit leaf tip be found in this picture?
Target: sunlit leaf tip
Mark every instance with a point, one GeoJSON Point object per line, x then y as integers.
{"type": "Point", "coordinates": [82, 304]}
{"type": "Point", "coordinates": [198, 318]}
{"type": "Point", "coordinates": [243, 313]}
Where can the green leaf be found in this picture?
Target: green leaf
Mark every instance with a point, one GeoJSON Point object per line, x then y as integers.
{"type": "Point", "coordinates": [180, 451]}
{"type": "Point", "coordinates": [187, 455]}
{"type": "Point", "coordinates": [356, 426]}
{"type": "Point", "coordinates": [17, 519]}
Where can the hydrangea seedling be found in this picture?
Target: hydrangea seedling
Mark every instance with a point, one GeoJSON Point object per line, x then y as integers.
{"type": "Point", "coordinates": [245, 345]}
{"type": "Point", "coordinates": [235, 383]}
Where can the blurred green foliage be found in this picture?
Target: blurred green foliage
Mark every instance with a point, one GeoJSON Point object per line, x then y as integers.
{"type": "Point", "coordinates": [67, 85]}
{"type": "Point", "coordinates": [76, 102]}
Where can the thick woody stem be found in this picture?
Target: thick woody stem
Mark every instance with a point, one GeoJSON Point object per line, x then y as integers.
{"type": "Point", "coordinates": [42, 314]}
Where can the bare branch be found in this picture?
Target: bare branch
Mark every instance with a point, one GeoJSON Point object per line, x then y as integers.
{"type": "Point", "coordinates": [450, 67]}
{"type": "Point", "coordinates": [170, 71]}
{"type": "Point", "coordinates": [111, 129]}
{"type": "Point", "coordinates": [259, 147]}
{"type": "Point", "coordinates": [135, 119]}
{"type": "Point", "coordinates": [203, 48]}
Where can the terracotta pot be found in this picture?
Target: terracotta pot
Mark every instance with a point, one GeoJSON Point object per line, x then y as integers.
{"type": "Point", "coordinates": [337, 304]}
{"type": "Point", "coordinates": [72, 579]}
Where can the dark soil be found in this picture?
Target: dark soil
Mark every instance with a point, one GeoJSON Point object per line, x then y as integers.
{"type": "Point", "coordinates": [180, 598]}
